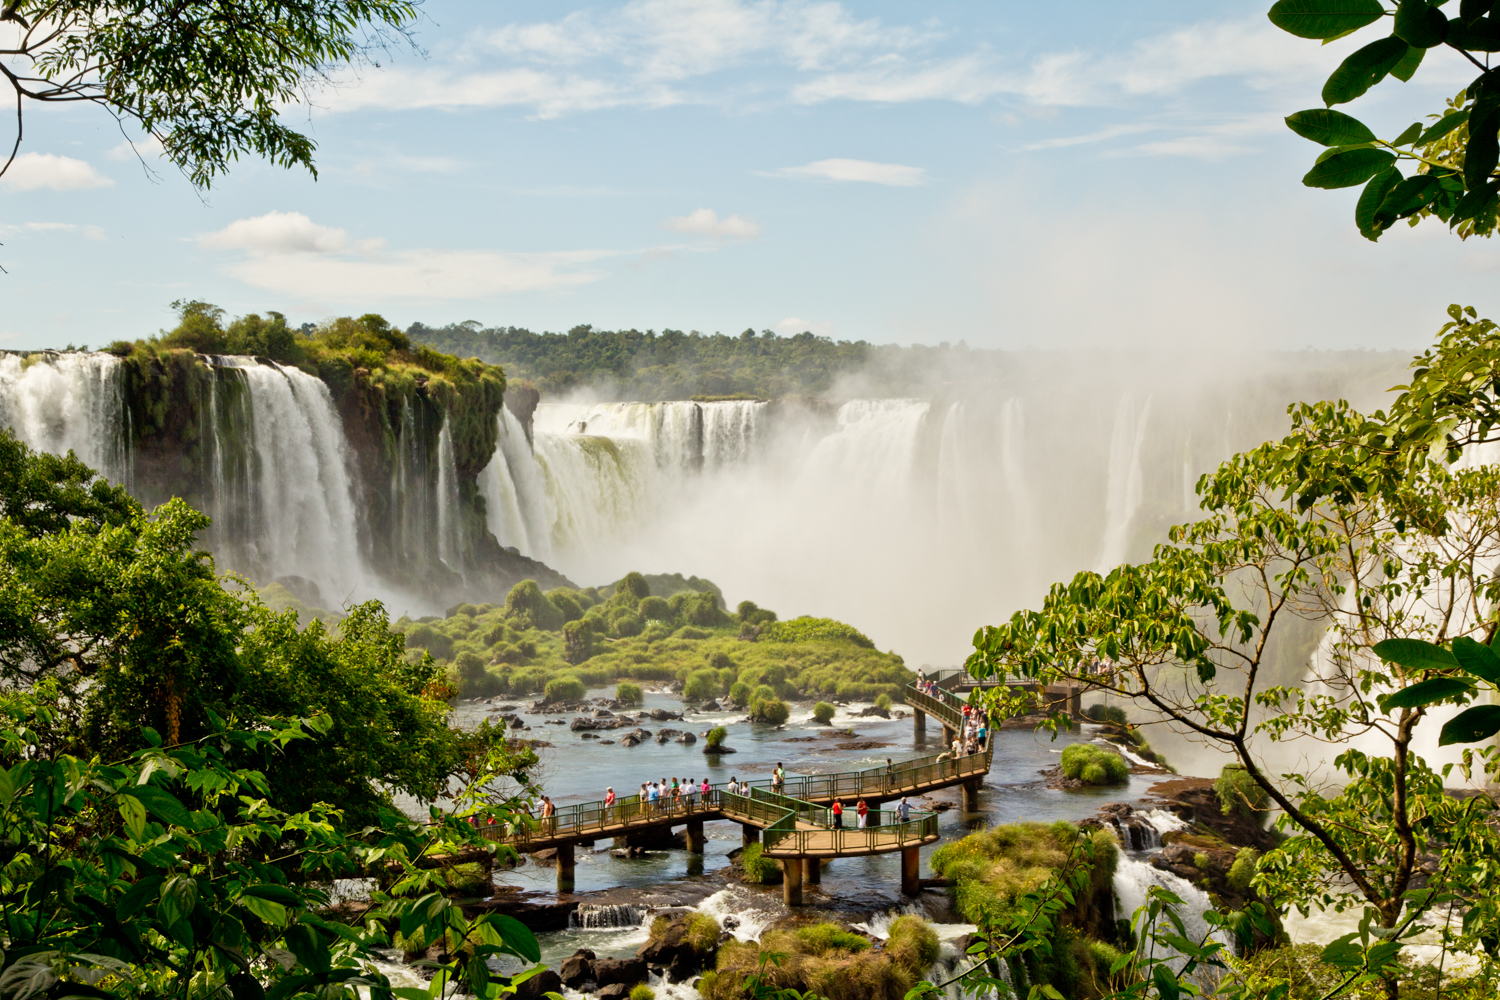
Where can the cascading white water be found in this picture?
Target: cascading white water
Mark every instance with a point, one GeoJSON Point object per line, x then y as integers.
{"type": "Point", "coordinates": [1124, 493]}
{"type": "Point", "coordinates": [602, 916]}
{"type": "Point", "coordinates": [514, 493]}
{"type": "Point", "coordinates": [450, 545]}
{"type": "Point", "coordinates": [1133, 879]}
{"type": "Point", "coordinates": [68, 402]}
{"type": "Point", "coordinates": [304, 521]}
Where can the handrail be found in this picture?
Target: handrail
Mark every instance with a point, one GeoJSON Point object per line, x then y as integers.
{"type": "Point", "coordinates": [780, 809]}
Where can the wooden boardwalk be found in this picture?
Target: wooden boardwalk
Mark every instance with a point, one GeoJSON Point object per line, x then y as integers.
{"type": "Point", "coordinates": [795, 821]}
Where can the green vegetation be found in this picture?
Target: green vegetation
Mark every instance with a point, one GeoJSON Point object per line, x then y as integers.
{"type": "Point", "coordinates": [703, 933]}
{"type": "Point", "coordinates": [716, 737]}
{"type": "Point", "coordinates": [1094, 765]}
{"type": "Point", "coordinates": [1240, 795]}
{"type": "Point", "coordinates": [564, 689]}
{"type": "Point", "coordinates": [823, 713]}
{"type": "Point", "coordinates": [1112, 714]}
{"type": "Point", "coordinates": [208, 96]}
{"type": "Point", "coordinates": [1302, 973]}
{"type": "Point", "coordinates": [758, 869]}
{"type": "Point", "coordinates": [772, 710]}
{"type": "Point", "coordinates": [518, 647]}
{"type": "Point", "coordinates": [640, 991]}
{"type": "Point", "coordinates": [807, 629]}
{"type": "Point", "coordinates": [627, 693]}
{"type": "Point", "coordinates": [1243, 870]}
{"type": "Point", "coordinates": [827, 960]}
{"type": "Point", "coordinates": [883, 700]}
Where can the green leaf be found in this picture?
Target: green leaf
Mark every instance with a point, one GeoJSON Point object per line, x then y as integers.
{"type": "Point", "coordinates": [1415, 654]}
{"type": "Point", "coordinates": [1166, 983]}
{"type": "Point", "coordinates": [1471, 725]}
{"type": "Point", "coordinates": [137, 897]}
{"type": "Point", "coordinates": [134, 815]}
{"type": "Point", "coordinates": [1324, 18]}
{"type": "Point", "coordinates": [1348, 169]}
{"type": "Point", "coordinates": [1443, 126]}
{"type": "Point", "coordinates": [163, 805]}
{"type": "Point", "coordinates": [276, 893]}
{"type": "Point", "coordinates": [517, 936]}
{"type": "Point", "coordinates": [1329, 128]}
{"type": "Point", "coordinates": [1362, 70]}
{"type": "Point", "coordinates": [1370, 201]}
{"type": "Point", "coordinates": [1468, 10]}
{"type": "Point", "coordinates": [272, 913]}
{"type": "Point", "coordinates": [1406, 67]}
{"type": "Point", "coordinates": [1408, 198]}
{"type": "Point", "coordinates": [1343, 953]}
{"type": "Point", "coordinates": [1428, 692]}
{"type": "Point", "coordinates": [1412, 134]}
{"type": "Point", "coordinates": [1482, 35]}
{"type": "Point", "coordinates": [1483, 151]}
{"type": "Point", "coordinates": [309, 947]}
{"type": "Point", "coordinates": [1477, 658]}
{"type": "Point", "coordinates": [178, 897]}
{"type": "Point", "coordinates": [1420, 24]}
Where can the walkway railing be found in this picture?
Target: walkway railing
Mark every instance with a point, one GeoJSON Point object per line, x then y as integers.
{"type": "Point", "coordinates": [779, 810]}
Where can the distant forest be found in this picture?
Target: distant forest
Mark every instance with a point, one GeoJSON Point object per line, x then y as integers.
{"type": "Point", "coordinates": [666, 365]}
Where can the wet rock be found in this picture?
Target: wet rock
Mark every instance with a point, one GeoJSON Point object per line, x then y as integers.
{"type": "Point", "coordinates": [626, 972]}
{"type": "Point", "coordinates": [630, 740]}
{"type": "Point", "coordinates": [662, 715]}
{"type": "Point", "coordinates": [506, 708]}
{"type": "Point", "coordinates": [671, 950]}
{"type": "Point", "coordinates": [635, 851]}
{"type": "Point", "coordinates": [687, 739]}
{"type": "Point", "coordinates": [582, 724]}
{"type": "Point", "coordinates": [861, 745]}
{"type": "Point", "coordinates": [603, 713]}
{"type": "Point", "coordinates": [709, 706]}
{"type": "Point", "coordinates": [873, 712]}
{"type": "Point", "coordinates": [665, 735]}
{"type": "Point", "coordinates": [555, 722]}
{"type": "Point", "coordinates": [539, 985]}
{"type": "Point", "coordinates": [614, 991]}
{"type": "Point", "coordinates": [721, 748]}
{"type": "Point", "coordinates": [606, 743]}
{"type": "Point", "coordinates": [577, 969]}
{"type": "Point", "coordinates": [589, 736]}
{"type": "Point", "coordinates": [547, 856]}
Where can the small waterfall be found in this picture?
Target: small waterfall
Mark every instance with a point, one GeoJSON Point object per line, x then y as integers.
{"type": "Point", "coordinates": [734, 910]}
{"type": "Point", "coordinates": [607, 916]}
{"type": "Point", "coordinates": [68, 402]}
{"type": "Point", "coordinates": [732, 431]}
{"type": "Point", "coordinates": [1143, 831]}
{"type": "Point", "coordinates": [1134, 877]}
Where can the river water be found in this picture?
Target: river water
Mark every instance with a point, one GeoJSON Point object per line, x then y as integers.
{"type": "Point", "coordinates": [864, 891]}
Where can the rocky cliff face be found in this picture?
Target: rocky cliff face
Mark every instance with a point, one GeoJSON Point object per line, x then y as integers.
{"type": "Point", "coordinates": [340, 481]}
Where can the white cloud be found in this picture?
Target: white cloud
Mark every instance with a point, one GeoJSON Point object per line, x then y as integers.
{"type": "Point", "coordinates": [147, 149]}
{"type": "Point", "coordinates": [288, 253]}
{"type": "Point", "coordinates": [706, 222]}
{"type": "Point", "coordinates": [87, 232]}
{"type": "Point", "coordinates": [281, 233]}
{"type": "Point", "coordinates": [796, 324]}
{"type": "Point", "coordinates": [33, 171]}
{"type": "Point", "coordinates": [868, 171]}
{"type": "Point", "coordinates": [1104, 134]}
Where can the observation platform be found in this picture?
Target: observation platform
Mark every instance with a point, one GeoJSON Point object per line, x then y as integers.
{"type": "Point", "coordinates": [795, 820]}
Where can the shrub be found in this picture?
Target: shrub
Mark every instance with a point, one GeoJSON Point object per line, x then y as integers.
{"type": "Point", "coordinates": [656, 631]}
{"type": "Point", "coordinates": [759, 870]}
{"type": "Point", "coordinates": [566, 604]}
{"type": "Point", "coordinates": [578, 641]}
{"type": "Point", "coordinates": [823, 713]}
{"type": "Point", "coordinates": [703, 609]}
{"type": "Point", "coordinates": [806, 629]}
{"type": "Point", "coordinates": [703, 933]}
{"type": "Point", "coordinates": [629, 694]}
{"type": "Point", "coordinates": [774, 711]}
{"type": "Point", "coordinates": [527, 605]}
{"type": "Point", "coordinates": [642, 992]}
{"type": "Point", "coordinates": [716, 736]}
{"type": "Point", "coordinates": [1239, 794]}
{"type": "Point", "coordinates": [1101, 712]}
{"type": "Point", "coordinates": [820, 939]}
{"type": "Point", "coordinates": [720, 660]}
{"type": "Point", "coordinates": [634, 584]}
{"type": "Point", "coordinates": [627, 624]}
{"type": "Point", "coordinates": [426, 637]}
{"type": "Point", "coordinates": [467, 880]}
{"type": "Point", "coordinates": [883, 701]}
{"type": "Point", "coordinates": [701, 685]}
{"type": "Point", "coordinates": [912, 943]}
{"type": "Point", "coordinates": [689, 632]}
{"type": "Point", "coordinates": [1079, 758]}
{"type": "Point", "coordinates": [564, 688]}
{"type": "Point", "coordinates": [470, 669]}
{"type": "Point", "coordinates": [655, 609]}
{"type": "Point", "coordinates": [762, 692]}
{"type": "Point", "coordinates": [495, 633]}
{"type": "Point", "coordinates": [739, 694]}
{"type": "Point", "coordinates": [1243, 870]}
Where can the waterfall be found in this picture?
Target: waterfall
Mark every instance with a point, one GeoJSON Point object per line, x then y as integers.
{"type": "Point", "coordinates": [1133, 877]}
{"type": "Point", "coordinates": [68, 402]}
{"type": "Point", "coordinates": [606, 916]}
{"type": "Point", "coordinates": [450, 543]}
{"type": "Point", "coordinates": [514, 493]}
{"type": "Point", "coordinates": [302, 521]}
{"type": "Point", "coordinates": [1123, 494]}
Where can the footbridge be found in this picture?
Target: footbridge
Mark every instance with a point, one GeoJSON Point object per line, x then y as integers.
{"type": "Point", "coordinates": [795, 820]}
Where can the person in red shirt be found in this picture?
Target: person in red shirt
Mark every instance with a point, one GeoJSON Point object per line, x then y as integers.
{"type": "Point", "coordinates": [863, 809]}
{"type": "Point", "coordinates": [838, 815]}
{"type": "Point", "coordinates": [609, 804]}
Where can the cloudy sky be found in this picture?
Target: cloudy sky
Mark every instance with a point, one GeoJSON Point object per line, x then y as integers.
{"type": "Point", "coordinates": [1009, 174]}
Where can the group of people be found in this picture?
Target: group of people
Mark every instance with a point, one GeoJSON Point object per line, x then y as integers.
{"type": "Point", "coordinates": [863, 812]}
{"type": "Point", "coordinates": [928, 687]}
{"type": "Point", "coordinates": [973, 733]}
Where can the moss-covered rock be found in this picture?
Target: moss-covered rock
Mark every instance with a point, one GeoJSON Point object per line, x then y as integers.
{"type": "Point", "coordinates": [829, 960]}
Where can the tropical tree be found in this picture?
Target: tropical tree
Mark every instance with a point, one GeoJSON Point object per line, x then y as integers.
{"type": "Point", "coordinates": [1444, 166]}
{"type": "Point", "coordinates": [1353, 535]}
{"type": "Point", "coordinates": [208, 79]}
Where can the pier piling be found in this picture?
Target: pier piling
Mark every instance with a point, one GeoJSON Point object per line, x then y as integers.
{"type": "Point", "coordinates": [695, 836]}
{"type": "Point", "coordinates": [911, 870]}
{"type": "Point", "coordinates": [749, 834]}
{"type": "Point", "coordinates": [791, 881]}
{"type": "Point", "coordinates": [565, 868]}
{"type": "Point", "coordinates": [813, 870]}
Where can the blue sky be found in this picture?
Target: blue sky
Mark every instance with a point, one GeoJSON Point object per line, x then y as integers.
{"type": "Point", "coordinates": [1009, 174]}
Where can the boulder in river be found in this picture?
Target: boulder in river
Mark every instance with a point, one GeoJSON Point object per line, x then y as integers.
{"type": "Point", "coordinates": [662, 715]}
{"type": "Point", "coordinates": [665, 735]}
{"type": "Point", "coordinates": [721, 748]}
{"type": "Point", "coordinates": [709, 706]}
{"type": "Point", "coordinates": [625, 972]}
{"type": "Point", "coordinates": [577, 969]}
{"type": "Point", "coordinates": [874, 712]}
{"type": "Point", "coordinates": [539, 985]}
{"type": "Point", "coordinates": [687, 739]}
{"type": "Point", "coordinates": [630, 740]}
{"type": "Point", "coordinates": [583, 724]}
{"type": "Point", "coordinates": [681, 946]}
{"type": "Point", "coordinates": [614, 991]}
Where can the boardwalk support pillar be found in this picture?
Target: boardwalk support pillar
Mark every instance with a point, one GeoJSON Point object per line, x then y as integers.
{"type": "Point", "coordinates": [695, 836]}
{"type": "Point", "coordinates": [971, 795]}
{"type": "Point", "coordinates": [791, 881]}
{"type": "Point", "coordinates": [814, 870]}
{"type": "Point", "coordinates": [919, 722]}
{"type": "Point", "coordinates": [564, 867]}
{"type": "Point", "coordinates": [749, 834]}
{"type": "Point", "coordinates": [911, 870]}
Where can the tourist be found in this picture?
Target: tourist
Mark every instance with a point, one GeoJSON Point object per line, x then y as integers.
{"type": "Point", "coordinates": [778, 778]}
{"type": "Point", "coordinates": [838, 815]}
{"type": "Point", "coordinates": [903, 811]}
{"type": "Point", "coordinates": [692, 793]}
{"type": "Point", "coordinates": [609, 806]}
{"type": "Point", "coordinates": [862, 813]}
{"type": "Point", "coordinates": [653, 797]}
{"type": "Point", "coordinates": [890, 774]}
{"type": "Point", "coordinates": [549, 815]}
{"type": "Point", "coordinates": [984, 733]}
{"type": "Point", "coordinates": [707, 789]}
{"type": "Point", "coordinates": [958, 747]}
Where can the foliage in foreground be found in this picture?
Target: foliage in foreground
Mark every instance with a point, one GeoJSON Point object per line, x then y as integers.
{"type": "Point", "coordinates": [827, 960]}
{"type": "Point", "coordinates": [1453, 155]}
